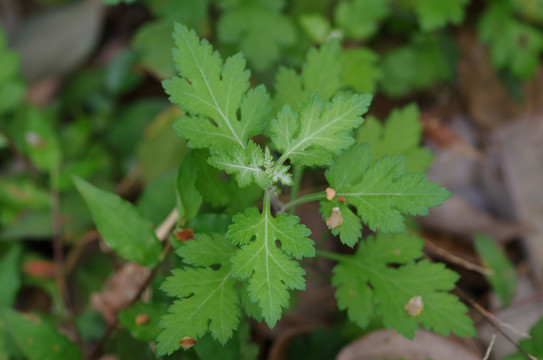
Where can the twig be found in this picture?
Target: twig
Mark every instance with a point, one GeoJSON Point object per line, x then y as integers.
{"type": "Point", "coordinates": [496, 323]}
{"type": "Point", "coordinates": [58, 253]}
{"type": "Point", "coordinates": [490, 346]}
{"type": "Point", "coordinates": [162, 233]}
{"type": "Point", "coordinates": [458, 260]}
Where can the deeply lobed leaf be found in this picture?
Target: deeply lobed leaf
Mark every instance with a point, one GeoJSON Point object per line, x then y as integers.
{"type": "Point", "coordinates": [207, 301]}
{"type": "Point", "coordinates": [293, 89]}
{"type": "Point", "coordinates": [251, 165]}
{"type": "Point", "coordinates": [269, 268]}
{"type": "Point", "coordinates": [366, 286]}
{"type": "Point", "coordinates": [212, 92]}
{"type": "Point", "coordinates": [311, 136]}
{"type": "Point", "coordinates": [382, 192]}
{"type": "Point", "coordinates": [400, 135]}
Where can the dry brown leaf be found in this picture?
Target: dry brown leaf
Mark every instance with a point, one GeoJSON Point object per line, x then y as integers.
{"type": "Point", "coordinates": [388, 344]}
{"type": "Point", "coordinates": [119, 290]}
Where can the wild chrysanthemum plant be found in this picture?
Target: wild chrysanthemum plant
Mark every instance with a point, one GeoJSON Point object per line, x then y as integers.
{"type": "Point", "coordinates": [253, 267]}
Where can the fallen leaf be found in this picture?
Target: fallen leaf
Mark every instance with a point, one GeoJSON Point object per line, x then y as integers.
{"type": "Point", "coordinates": [388, 344]}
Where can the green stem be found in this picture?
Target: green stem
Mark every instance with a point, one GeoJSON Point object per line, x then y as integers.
{"type": "Point", "coordinates": [298, 171]}
{"type": "Point", "coordinates": [304, 199]}
{"type": "Point", "coordinates": [329, 255]}
{"type": "Point", "coordinates": [267, 199]}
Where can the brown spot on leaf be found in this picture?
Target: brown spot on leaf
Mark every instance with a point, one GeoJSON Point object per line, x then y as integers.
{"type": "Point", "coordinates": [184, 234]}
{"type": "Point", "coordinates": [414, 306]}
{"type": "Point", "coordinates": [187, 342]}
{"type": "Point", "coordinates": [335, 219]}
{"type": "Point", "coordinates": [342, 199]}
{"type": "Point", "coordinates": [330, 193]}
{"type": "Point", "coordinates": [142, 319]}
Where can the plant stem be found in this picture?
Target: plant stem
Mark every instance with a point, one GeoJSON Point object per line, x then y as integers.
{"type": "Point", "coordinates": [329, 255]}
{"type": "Point", "coordinates": [303, 199]}
{"type": "Point", "coordinates": [298, 172]}
{"type": "Point", "coordinates": [58, 253]}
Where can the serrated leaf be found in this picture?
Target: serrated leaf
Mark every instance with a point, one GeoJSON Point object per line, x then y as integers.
{"type": "Point", "coordinates": [368, 286]}
{"type": "Point", "coordinates": [361, 71]}
{"type": "Point", "coordinates": [208, 300]}
{"type": "Point", "coordinates": [319, 130]}
{"type": "Point", "coordinates": [351, 229]}
{"type": "Point", "coordinates": [212, 92]}
{"type": "Point", "coordinates": [400, 135]}
{"type": "Point", "coordinates": [121, 225]}
{"type": "Point", "coordinates": [359, 19]}
{"type": "Point", "coordinates": [504, 277]}
{"type": "Point", "coordinates": [10, 276]}
{"type": "Point", "coordinates": [382, 192]}
{"type": "Point", "coordinates": [436, 14]}
{"type": "Point", "coordinates": [249, 26]}
{"type": "Point", "coordinates": [417, 65]}
{"type": "Point", "coordinates": [142, 319]}
{"type": "Point", "coordinates": [293, 89]}
{"type": "Point", "coordinates": [269, 267]}
{"type": "Point", "coordinates": [251, 165]}
{"type": "Point", "coordinates": [36, 338]}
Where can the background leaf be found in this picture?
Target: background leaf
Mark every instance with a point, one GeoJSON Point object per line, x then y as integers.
{"type": "Point", "coordinates": [122, 227]}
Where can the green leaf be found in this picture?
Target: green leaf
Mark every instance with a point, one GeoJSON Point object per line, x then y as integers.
{"type": "Point", "coordinates": [382, 192]}
{"type": "Point", "coordinates": [351, 228]}
{"type": "Point", "coordinates": [318, 131]}
{"type": "Point", "coordinates": [360, 19]}
{"type": "Point", "coordinates": [504, 277]}
{"type": "Point", "coordinates": [212, 92]}
{"type": "Point", "coordinates": [361, 72]}
{"type": "Point", "coordinates": [293, 89]}
{"type": "Point", "coordinates": [434, 15]}
{"type": "Point", "coordinates": [41, 141]}
{"type": "Point", "coordinates": [533, 345]}
{"type": "Point", "coordinates": [148, 330]}
{"type": "Point", "coordinates": [237, 348]}
{"type": "Point", "coordinates": [121, 225]}
{"type": "Point", "coordinates": [189, 198]}
{"type": "Point", "coordinates": [249, 24]}
{"type": "Point", "coordinates": [36, 338]}
{"type": "Point", "coordinates": [513, 44]}
{"type": "Point", "coordinates": [400, 135]}
{"type": "Point", "coordinates": [316, 26]}
{"type": "Point", "coordinates": [153, 42]}
{"type": "Point", "coordinates": [416, 65]}
{"type": "Point", "coordinates": [160, 151]}
{"type": "Point", "coordinates": [10, 275]}
{"type": "Point", "coordinates": [268, 266]}
{"type": "Point", "coordinates": [367, 286]}
{"type": "Point", "coordinates": [252, 165]}
{"type": "Point", "coordinates": [207, 300]}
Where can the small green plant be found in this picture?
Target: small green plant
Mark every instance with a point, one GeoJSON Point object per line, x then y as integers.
{"type": "Point", "coordinates": [256, 265]}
